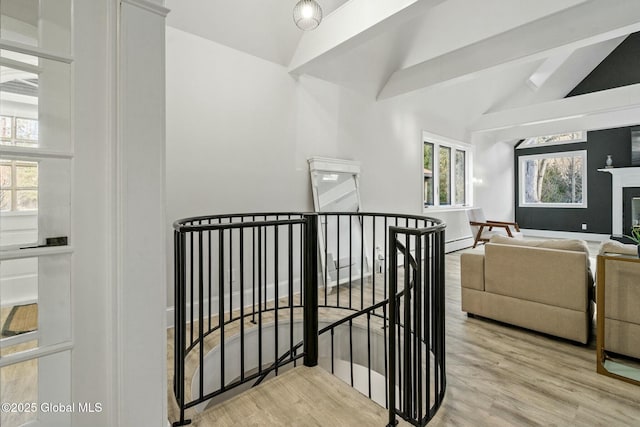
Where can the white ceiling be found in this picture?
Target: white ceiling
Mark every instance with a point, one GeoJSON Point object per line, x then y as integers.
{"type": "Point", "coordinates": [263, 28]}
{"type": "Point", "coordinates": [463, 59]}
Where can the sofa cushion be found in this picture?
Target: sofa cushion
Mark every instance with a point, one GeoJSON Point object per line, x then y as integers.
{"type": "Point", "coordinates": [560, 244]}
{"type": "Point", "coordinates": [574, 245]}
{"type": "Point", "coordinates": [547, 276]}
{"type": "Point", "coordinates": [615, 247]}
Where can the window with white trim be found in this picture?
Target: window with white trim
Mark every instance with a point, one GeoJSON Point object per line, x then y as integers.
{"type": "Point", "coordinates": [18, 185]}
{"type": "Point", "coordinates": [446, 172]}
{"type": "Point", "coordinates": [553, 180]}
{"type": "Point", "coordinates": [557, 139]}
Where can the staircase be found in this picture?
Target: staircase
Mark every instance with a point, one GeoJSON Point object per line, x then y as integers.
{"type": "Point", "coordinates": [252, 302]}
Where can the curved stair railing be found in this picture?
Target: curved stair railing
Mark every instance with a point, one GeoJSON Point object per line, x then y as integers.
{"type": "Point", "coordinates": [254, 278]}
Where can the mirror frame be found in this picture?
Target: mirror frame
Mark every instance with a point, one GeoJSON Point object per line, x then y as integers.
{"type": "Point", "coordinates": [319, 165]}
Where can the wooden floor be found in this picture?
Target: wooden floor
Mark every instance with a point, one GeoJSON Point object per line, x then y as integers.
{"type": "Point", "coordinates": [19, 382]}
{"type": "Point", "coordinates": [497, 375]}
{"type": "Point", "coordinates": [300, 397]}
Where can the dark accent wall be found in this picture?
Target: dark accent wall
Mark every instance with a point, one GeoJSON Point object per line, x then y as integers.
{"type": "Point", "coordinates": [618, 69]}
{"type": "Point", "coordinates": [597, 215]}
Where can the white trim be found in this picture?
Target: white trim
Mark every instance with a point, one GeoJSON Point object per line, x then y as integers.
{"type": "Point", "coordinates": [525, 144]}
{"type": "Point", "coordinates": [436, 141]}
{"type": "Point", "coordinates": [444, 139]}
{"type": "Point", "coordinates": [117, 224]}
{"type": "Point", "coordinates": [149, 7]}
{"type": "Point", "coordinates": [113, 377]}
{"type": "Point", "coordinates": [34, 51]}
{"type": "Point", "coordinates": [620, 178]}
{"type": "Point", "coordinates": [9, 214]}
{"type": "Point", "coordinates": [35, 353]}
{"type": "Point", "coordinates": [458, 244]}
{"type": "Point", "coordinates": [560, 154]}
{"type": "Point", "coordinates": [22, 66]}
{"type": "Point", "coordinates": [34, 152]}
{"type": "Point", "coordinates": [593, 237]}
{"type": "Point", "coordinates": [327, 164]}
{"type": "Point", "coordinates": [19, 339]}
{"type": "Point", "coordinates": [34, 252]}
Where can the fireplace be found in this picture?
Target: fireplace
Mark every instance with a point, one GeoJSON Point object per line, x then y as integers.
{"type": "Point", "coordinates": [624, 181]}
{"type": "Point", "coordinates": [630, 208]}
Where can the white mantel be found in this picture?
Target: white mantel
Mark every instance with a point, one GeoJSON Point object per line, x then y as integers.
{"type": "Point", "coordinates": [620, 178]}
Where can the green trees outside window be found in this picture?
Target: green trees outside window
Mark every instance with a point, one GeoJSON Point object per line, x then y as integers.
{"type": "Point", "coordinates": [448, 178]}
{"type": "Point", "coordinates": [554, 179]}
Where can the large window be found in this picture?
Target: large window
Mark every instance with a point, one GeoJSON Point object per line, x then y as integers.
{"type": "Point", "coordinates": [554, 180]}
{"type": "Point", "coordinates": [446, 173]}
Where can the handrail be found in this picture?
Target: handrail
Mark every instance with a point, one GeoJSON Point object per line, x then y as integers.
{"type": "Point", "coordinates": [263, 267]}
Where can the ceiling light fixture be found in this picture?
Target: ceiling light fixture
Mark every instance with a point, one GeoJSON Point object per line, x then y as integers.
{"type": "Point", "coordinates": [307, 14]}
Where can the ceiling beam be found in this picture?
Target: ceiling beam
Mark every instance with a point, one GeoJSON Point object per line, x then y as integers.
{"type": "Point", "coordinates": [606, 108]}
{"type": "Point", "coordinates": [578, 26]}
{"type": "Point", "coordinates": [352, 24]}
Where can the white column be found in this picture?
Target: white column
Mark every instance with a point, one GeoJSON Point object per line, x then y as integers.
{"type": "Point", "coordinates": [140, 220]}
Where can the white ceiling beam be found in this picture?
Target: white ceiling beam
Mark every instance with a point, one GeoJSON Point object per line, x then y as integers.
{"type": "Point", "coordinates": [606, 108]}
{"type": "Point", "coordinates": [579, 26]}
{"type": "Point", "coordinates": [352, 24]}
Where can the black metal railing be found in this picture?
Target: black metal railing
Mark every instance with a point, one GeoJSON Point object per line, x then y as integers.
{"type": "Point", "coordinates": [251, 289]}
{"type": "Point", "coordinates": [417, 342]}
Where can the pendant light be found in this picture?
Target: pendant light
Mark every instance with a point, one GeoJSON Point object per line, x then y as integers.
{"type": "Point", "coordinates": [307, 14]}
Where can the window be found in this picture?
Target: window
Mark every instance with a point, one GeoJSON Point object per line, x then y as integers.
{"type": "Point", "coordinates": [461, 177]}
{"type": "Point", "coordinates": [561, 138]}
{"type": "Point", "coordinates": [447, 182]}
{"type": "Point", "coordinates": [18, 131]}
{"type": "Point", "coordinates": [553, 180]}
{"type": "Point", "coordinates": [18, 185]}
{"type": "Point", "coordinates": [428, 174]}
{"type": "Point", "coordinates": [444, 154]}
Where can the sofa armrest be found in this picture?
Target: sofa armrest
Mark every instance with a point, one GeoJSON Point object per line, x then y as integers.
{"type": "Point", "coordinates": [472, 270]}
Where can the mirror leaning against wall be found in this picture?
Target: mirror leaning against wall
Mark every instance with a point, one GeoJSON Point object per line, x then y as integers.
{"type": "Point", "coordinates": [335, 188]}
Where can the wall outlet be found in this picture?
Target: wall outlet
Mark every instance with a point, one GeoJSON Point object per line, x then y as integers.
{"type": "Point", "coordinates": [584, 226]}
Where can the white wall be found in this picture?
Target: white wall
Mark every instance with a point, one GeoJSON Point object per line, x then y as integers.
{"type": "Point", "coordinates": [240, 130]}
{"type": "Point", "coordinates": [494, 188]}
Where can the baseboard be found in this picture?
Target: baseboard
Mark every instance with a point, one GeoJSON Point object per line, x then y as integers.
{"type": "Point", "coordinates": [456, 245]}
{"type": "Point", "coordinates": [565, 235]}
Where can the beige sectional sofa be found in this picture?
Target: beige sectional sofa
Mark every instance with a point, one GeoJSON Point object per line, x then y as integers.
{"type": "Point", "coordinates": [543, 285]}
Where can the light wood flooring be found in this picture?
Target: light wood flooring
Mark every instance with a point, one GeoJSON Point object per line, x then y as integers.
{"type": "Point", "coordinates": [18, 383]}
{"type": "Point", "coordinates": [300, 397]}
{"type": "Point", "coordinates": [497, 375]}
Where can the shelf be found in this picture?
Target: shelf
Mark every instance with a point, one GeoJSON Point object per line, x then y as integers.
{"type": "Point", "coordinates": [34, 252]}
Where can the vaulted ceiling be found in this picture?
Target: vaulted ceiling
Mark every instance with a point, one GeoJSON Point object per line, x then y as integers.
{"type": "Point", "coordinates": [499, 68]}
